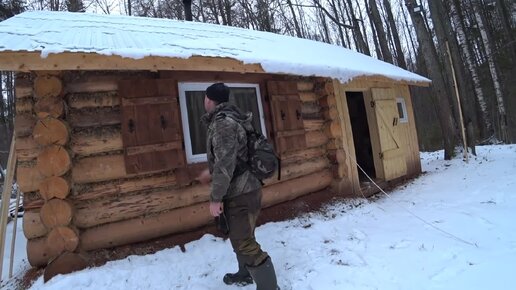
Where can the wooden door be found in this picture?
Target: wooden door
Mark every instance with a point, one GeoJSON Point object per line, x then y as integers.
{"type": "Point", "coordinates": [391, 155]}
{"type": "Point", "coordinates": [151, 128]}
{"type": "Point", "coordinates": [287, 117]}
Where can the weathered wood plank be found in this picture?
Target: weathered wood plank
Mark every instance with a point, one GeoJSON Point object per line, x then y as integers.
{"type": "Point", "coordinates": [81, 119]}
{"type": "Point", "coordinates": [112, 209]}
{"type": "Point", "coordinates": [93, 100]}
{"type": "Point", "coordinates": [101, 141]}
{"type": "Point", "coordinates": [99, 168]}
{"type": "Point", "coordinates": [187, 218]}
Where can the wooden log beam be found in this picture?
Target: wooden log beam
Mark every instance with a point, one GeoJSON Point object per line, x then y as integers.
{"type": "Point", "coordinates": [54, 161]}
{"type": "Point", "coordinates": [313, 124]}
{"type": "Point", "coordinates": [145, 228]}
{"type": "Point", "coordinates": [114, 208]}
{"type": "Point", "coordinates": [49, 107]}
{"type": "Point", "coordinates": [93, 100]}
{"type": "Point", "coordinates": [23, 88]}
{"type": "Point", "coordinates": [47, 86]}
{"type": "Point", "coordinates": [88, 143]}
{"type": "Point", "coordinates": [54, 187]}
{"type": "Point", "coordinates": [316, 139]}
{"type": "Point", "coordinates": [64, 264]}
{"type": "Point", "coordinates": [124, 186]}
{"type": "Point", "coordinates": [28, 178]}
{"type": "Point", "coordinates": [295, 188]}
{"type": "Point", "coordinates": [82, 119]}
{"type": "Point", "coordinates": [334, 130]}
{"type": "Point", "coordinates": [56, 212]}
{"type": "Point", "coordinates": [310, 108]}
{"type": "Point", "coordinates": [294, 170]}
{"type": "Point", "coordinates": [37, 252]}
{"type": "Point", "coordinates": [188, 218]}
{"type": "Point", "coordinates": [50, 131]}
{"type": "Point", "coordinates": [308, 97]}
{"type": "Point", "coordinates": [26, 148]}
{"type": "Point", "coordinates": [61, 239]}
{"type": "Point", "coordinates": [302, 155]}
{"type": "Point", "coordinates": [305, 86]}
{"type": "Point", "coordinates": [93, 84]}
{"type": "Point", "coordinates": [23, 124]}
{"type": "Point", "coordinates": [99, 168]}
{"type": "Point", "coordinates": [24, 106]}
{"type": "Point", "coordinates": [32, 225]}
{"type": "Point", "coordinates": [27, 61]}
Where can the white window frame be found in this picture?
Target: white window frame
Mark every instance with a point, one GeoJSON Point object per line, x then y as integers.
{"type": "Point", "coordinates": [183, 87]}
{"type": "Point", "coordinates": [401, 101]}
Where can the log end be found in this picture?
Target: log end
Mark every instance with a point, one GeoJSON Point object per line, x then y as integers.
{"type": "Point", "coordinates": [64, 264]}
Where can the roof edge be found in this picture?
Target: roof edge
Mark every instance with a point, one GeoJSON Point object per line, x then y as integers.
{"type": "Point", "coordinates": [34, 61]}
{"type": "Point", "coordinates": [381, 79]}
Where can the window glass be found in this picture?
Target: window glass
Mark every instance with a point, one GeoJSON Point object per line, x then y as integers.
{"type": "Point", "coordinates": [402, 110]}
{"type": "Point", "coordinates": [246, 97]}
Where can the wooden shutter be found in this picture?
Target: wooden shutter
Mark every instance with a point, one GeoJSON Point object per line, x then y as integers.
{"type": "Point", "coordinates": [287, 117]}
{"type": "Point", "coordinates": [392, 156]}
{"type": "Point", "coordinates": [151, 128]}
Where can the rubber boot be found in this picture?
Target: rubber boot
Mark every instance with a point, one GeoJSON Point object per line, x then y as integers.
{"type": "Point", "coordinates": [264, 275]}
{"type": "Point", "coordinates": [240, 278]}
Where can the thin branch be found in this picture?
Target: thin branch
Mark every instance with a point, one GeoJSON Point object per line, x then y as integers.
{"type": "Point", "coordinates": [318, 5]}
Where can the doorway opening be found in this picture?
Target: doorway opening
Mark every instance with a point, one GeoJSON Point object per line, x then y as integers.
{"type": "Point", "coordinates": [361, 135]}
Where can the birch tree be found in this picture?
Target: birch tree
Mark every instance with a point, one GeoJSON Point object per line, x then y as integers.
{"type": "Point", "coordinates": [502, 117]}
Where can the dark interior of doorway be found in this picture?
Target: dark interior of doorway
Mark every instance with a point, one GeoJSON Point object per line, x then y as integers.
{"type": "Point", "coordinates": [361, 136]}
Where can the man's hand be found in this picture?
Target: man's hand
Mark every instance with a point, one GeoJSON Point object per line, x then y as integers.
{"type": "Point", "coordinates": [204, 177]}
{"type": "Point", "coordinates": [216, 208]}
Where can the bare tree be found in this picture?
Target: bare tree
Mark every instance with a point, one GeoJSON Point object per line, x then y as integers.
{"type": "Point", "coordinates": [400, 56]}
{"type": "Point", "coordinates": [188, 9]}
{"type": "Point", "coordinates": [374, 14]}
{"type": "Point", "coordinates": [502, 117]}
{"type": "Point", "coordinates": [438, 85]}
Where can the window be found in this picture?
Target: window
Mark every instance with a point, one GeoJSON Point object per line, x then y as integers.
{"type": "Point", "coordinates": [402, 110]}
{"type": "Point", "coordinates": [191, 99]}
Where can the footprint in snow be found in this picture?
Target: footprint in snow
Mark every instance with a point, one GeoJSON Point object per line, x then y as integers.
{"type": "Point", "coordinates": [403, 244]}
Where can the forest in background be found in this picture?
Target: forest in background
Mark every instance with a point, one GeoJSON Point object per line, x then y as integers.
{"type": "Point", "coordinates": [470, 41]}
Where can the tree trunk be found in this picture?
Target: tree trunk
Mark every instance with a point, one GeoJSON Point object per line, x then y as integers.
{"type": "Point", "coordinates": [339, 27]}
{"type": "Point", "coordinates": [359, 38]}
{"type": "Point", "coordinates": [438, 85]}
{"type": "Point", "coordinates": [468, 53]}
{"type": "Point", "coordinates": [188, 9]}
{"type": "Point", "coordinates": [465, 86]}
{"type": "Point", "coordinates": [294, 18]}
{"type": "Point", "coordinates": [493, 68]}
{"type": "Point", "coordinates": [400, 57]}
{"type": "Point", "coordinates": [508, 30]}
{"type": "Point", "coordinates": [373, 31]}
{"type": "Point", "coordinates": [382, 38]}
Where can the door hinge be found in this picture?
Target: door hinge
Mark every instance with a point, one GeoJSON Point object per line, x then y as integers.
{"type": "Point", "coordinates": [373, 104]}
{"type": "Point", "coordinates": [381, 155]}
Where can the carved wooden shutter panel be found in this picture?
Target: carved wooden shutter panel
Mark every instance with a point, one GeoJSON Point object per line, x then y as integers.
{"type": "Point", "coordinates": [287, 116]}
{"type": "Point", "coordinates": [151, 128]}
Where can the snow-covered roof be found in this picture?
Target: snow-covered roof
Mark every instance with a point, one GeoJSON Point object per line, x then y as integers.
{"type": "Point", "coordinates": [48, 33]}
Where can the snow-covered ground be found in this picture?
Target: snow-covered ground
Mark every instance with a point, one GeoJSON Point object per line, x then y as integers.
{"type": "Point", "coordinates": [360, 244]}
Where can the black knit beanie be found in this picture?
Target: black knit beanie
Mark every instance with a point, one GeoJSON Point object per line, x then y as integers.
{"type": "Point", "coordinates": [218, 92]}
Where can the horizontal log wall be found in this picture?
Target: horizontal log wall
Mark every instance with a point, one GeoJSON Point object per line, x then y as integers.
{"type": "Point", "coordinates": [111, 207]}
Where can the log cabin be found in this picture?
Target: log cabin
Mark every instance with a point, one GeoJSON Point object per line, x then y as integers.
{"type": "Point", "coordinates": [108, 135]}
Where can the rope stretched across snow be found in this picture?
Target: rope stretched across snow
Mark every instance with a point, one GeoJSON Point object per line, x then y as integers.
{"type": "Point", "coordinates": [406, 209]}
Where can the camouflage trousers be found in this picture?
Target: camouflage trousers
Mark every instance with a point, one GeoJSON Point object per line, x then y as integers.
{"type": "Point", "coordinates": [241, 213]}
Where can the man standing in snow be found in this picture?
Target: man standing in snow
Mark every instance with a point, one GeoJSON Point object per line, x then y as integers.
{"type": "Point", "coordinates": [235, 192]}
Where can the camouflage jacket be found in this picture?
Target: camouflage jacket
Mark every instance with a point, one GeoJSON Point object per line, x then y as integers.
{"type": "Point", "coordinates": [226, 143]}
